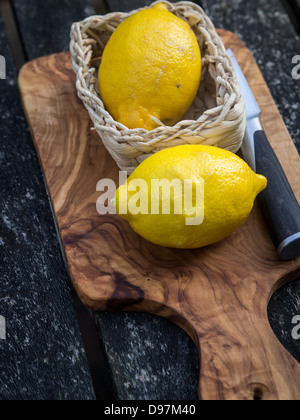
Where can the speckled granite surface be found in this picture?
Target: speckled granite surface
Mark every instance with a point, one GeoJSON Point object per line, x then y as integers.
{"type": "Point", "coordinates": [266, 30]}
{"type": "Point", "coordinates": [51, 33]}
{"type": "Point", "coordinates": [42, 356]}
{"type": "Point", "coordinates": [150, 358]}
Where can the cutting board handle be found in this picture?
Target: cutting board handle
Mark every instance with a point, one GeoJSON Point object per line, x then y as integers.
{"type": "Point", "coordinates": [235, 361]}
{"type": "Point", "coordinates": [240, 356]}
{"type": "Point", "coordinates": [227, 319]}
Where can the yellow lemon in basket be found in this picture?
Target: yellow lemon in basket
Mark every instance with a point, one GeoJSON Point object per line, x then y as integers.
{"type": "Point", "coordinates": [189, 196]}
{"type": "Point", "coordinates": [151, 67]}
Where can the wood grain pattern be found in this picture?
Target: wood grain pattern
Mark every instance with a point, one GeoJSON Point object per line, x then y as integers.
{"type": "Point", "coordinates": [218, 294]}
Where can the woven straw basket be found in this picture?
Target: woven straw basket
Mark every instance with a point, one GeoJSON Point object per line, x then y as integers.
{"type": "Point", "coordinates": [216, 117]}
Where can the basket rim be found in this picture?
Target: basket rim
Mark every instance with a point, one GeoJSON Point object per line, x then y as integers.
{"type": "Point", "coordinates": [181, 126]}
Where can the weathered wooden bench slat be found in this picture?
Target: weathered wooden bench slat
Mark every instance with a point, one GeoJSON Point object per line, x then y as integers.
{"type": "Point", "coordinates": [127, 5]}
{"type": "Point", "coordinates": [45, 26]}
{"type": "Point", "coordinates": [42, 356]}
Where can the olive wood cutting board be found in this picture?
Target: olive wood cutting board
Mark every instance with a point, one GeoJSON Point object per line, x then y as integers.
{"type": "Point", "coordinates": [218, 294]}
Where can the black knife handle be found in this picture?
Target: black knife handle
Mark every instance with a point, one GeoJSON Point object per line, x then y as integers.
{"type": "Point", "coordinates": [278, 202]}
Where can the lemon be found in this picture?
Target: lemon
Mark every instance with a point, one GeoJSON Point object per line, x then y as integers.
{"type": "Point", "coordinates": [151, 67]}
{"type": "Point", "coordinates": [189, 196]}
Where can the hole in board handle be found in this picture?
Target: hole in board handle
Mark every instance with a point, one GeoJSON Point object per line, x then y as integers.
{"type": "Point", "coordinates": [259, 392]}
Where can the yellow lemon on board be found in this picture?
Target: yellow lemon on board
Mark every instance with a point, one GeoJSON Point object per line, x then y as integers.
{"type": "Point", "coordinates": [151, 67]}
{"type": "Point", "coordinates": [189, 196]}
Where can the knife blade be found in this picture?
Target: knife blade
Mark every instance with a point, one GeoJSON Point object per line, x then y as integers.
{"type": "Point", "coordinates": [278, 202]}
